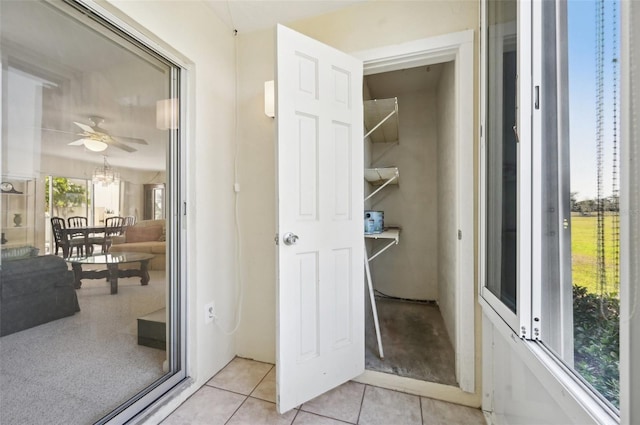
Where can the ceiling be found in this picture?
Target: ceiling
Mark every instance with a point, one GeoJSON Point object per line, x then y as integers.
{"type": "Point", "coordinates": [84, 72]}
{"type": "Point", "coordinates": [61, 71]}
{"type": "Point", "coordinates": [403, 81]}
{"type": "Point", "coordinates": [246, 16]}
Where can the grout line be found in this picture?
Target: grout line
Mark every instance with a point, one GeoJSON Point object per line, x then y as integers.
{"type": "Point", "coordinates": [421, 415]}
{"type": "Point", "coordinates": [325, 416]}
{"type": "Point", "coordinates": [236, 411]}
{"type": "Point", "coordinates": [362, 403]}
{"type": "Point", "coordinates": [295, 416]}
{"type": "Point", "coordinates": [260, 382]}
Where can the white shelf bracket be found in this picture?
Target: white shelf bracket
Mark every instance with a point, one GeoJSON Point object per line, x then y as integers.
{"type": "Point", "coordinates": [388, 182]}
{"type": "Point", "coordinates": [380, 123]}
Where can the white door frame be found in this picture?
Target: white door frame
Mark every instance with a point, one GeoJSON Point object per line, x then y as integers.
{"type": "Point", "coordinates": [456, 47]}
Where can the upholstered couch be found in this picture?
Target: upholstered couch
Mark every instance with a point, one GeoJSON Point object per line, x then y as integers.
{"type": "Point", "coordinates": [148, 236]}
{"type": "Point", "coordinates": [35, 290]}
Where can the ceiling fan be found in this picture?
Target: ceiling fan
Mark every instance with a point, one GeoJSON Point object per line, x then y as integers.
{"type": "Point", "coordinates": [97, 139]}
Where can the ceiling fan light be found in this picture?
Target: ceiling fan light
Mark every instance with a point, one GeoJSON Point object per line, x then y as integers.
{"type": "Point", "coordinates": [95, 145]}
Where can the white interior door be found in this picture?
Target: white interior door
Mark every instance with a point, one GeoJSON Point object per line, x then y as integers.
{"type": "Point", "coordinates": [320, 323]}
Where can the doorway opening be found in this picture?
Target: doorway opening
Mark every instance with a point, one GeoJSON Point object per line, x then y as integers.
{"type": "Point", "coordinates": [424, 283]}
{"type": "Point", "coordinates": [414, 279]}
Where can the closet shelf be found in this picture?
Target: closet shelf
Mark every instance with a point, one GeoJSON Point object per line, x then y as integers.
{"type": "Point", "coordinates": [381, 115]}
{"type": "Point", "coordinates": [379, 176]}
{"type": "Point", "coordinates": [388, 233]}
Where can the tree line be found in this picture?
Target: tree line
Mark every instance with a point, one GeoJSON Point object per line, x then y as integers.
{"type": "Point", "coordinates": [587, 206]}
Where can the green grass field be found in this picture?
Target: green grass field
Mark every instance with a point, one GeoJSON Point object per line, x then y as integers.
{"type": "Point", "coordinates": [583, 253]}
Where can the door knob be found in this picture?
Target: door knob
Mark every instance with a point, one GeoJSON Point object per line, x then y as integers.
{"type": "Point", "coordinates": [289, 238]}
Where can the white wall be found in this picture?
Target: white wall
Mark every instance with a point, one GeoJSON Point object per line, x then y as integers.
{"type": "Point", "coordinates": [517, 388]}
{"type": "Point", "coordinates": [192, 31]}
{"type": "Point", "coordinates": [363, 26]}
{"type": "Point", "coordinates": [256, 200]}
{"type": "Point", "coordinates": [446, 198]}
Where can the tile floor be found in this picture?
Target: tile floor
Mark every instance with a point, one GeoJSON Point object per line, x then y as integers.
{"type": "Point", "coordinates": [244, 393]}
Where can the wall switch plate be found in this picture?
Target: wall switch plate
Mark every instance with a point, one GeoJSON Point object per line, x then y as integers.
{"type": "Point", "coordinates": [209, 313]}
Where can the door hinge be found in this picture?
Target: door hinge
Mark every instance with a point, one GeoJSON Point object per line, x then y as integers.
{"type": "Point", "coordinates": [459, 234]}
{"type": "Point", "coordinates": [536, 103]}
{"type": "Point", "coordinates": [277, 239]}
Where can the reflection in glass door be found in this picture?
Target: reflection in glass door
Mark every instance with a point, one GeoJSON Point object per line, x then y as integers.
{"type": "Point", "coordinates": [79, 130]}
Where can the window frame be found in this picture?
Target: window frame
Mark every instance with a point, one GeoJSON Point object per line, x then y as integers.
{"type": "Point", "coordinates": [531, 295]}
{"type": "Point", "coordinates": [520, 321]}
{"type": "Point", "coordinates": [145, 402]}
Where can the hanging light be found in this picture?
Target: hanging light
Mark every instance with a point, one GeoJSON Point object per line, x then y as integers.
{"type": "Point", "coordinates": [95, 145]}
{"type": "Point", "coordinates": [105, 175]}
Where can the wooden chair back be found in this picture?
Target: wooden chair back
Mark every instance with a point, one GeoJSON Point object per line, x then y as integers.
{"type": "Point", "coordinates": [77, 221]}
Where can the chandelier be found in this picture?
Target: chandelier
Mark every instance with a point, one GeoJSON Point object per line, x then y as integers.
{"type": "Point", "coordinates": [106, 174]}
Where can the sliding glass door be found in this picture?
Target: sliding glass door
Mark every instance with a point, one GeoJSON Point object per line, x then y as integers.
{"type": "Point", "coordinates": [91, 332]}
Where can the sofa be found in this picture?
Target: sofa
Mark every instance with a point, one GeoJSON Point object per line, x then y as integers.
{"type": "Point", "coordinates": [34, 290]}
{"type": "Point", "coordinates": [148, 236]}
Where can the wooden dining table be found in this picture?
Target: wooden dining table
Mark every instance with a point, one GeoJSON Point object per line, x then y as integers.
{"type": "Point", "coordinates": [88, 232]}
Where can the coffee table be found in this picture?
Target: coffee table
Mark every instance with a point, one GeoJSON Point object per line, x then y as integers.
{"type": "Point", "coordinates": [112, 273]}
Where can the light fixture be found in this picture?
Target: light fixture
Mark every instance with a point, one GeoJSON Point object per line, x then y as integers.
{"type": "Point", "coordinates": [167, 114]}
{"type": "Point", "coordinates": [105, 175]}
{"type": "Point", "coordinates": [94, 145]}
{"type": "Point", "coordinates": [269, 99]}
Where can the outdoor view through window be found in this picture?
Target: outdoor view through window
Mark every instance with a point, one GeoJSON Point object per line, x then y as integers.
{"type": "Point", "coordinates": [593, 52]}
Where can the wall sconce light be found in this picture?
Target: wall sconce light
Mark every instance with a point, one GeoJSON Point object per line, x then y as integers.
{"type": "Point", "coordinates": [167, 114]}
{"type": "Point", "coordinates": [269, 99]}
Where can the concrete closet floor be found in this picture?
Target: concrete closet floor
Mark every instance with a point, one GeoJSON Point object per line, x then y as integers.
{"type": "Point", "coordinates": [414, 339]}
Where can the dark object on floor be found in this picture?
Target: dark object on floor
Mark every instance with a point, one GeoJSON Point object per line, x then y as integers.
{"type": "Point", "coordinates": [33, 291]}
{"type": "Point", "coordinates": [152, 329]}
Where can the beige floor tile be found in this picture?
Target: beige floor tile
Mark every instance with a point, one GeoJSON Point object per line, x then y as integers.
{"type": "Point", "coordinates": [260, 412]}
{"type": "Point", "coordinates": [208, 406]}
{"type": "Point", "coordinates": [240, 376]}
{"type": "Point", "coordinates": [436, 412]}
{"type": "Point", "coordinates": [305, 418]}
{"type": "Point", "coordinates": [266, 390]}
{"type": "Point", "coordinates": [341, 403]}
{"type": "Point", "coordinates": [386, 407]}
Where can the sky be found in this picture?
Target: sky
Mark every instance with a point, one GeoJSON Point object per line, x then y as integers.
{"type": "Point", "coordinates": [582, 100]}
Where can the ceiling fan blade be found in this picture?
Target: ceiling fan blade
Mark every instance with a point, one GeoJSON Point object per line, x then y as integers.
{"type": "Point", "coordinates": [122, 146]}
{"type": "Point", "coordinates": [78, 142]}
{"type": "Point", "coordinates": [132, 140]}
{"type": "Point", "coordinates": [54, 130]}
{"type": "Point", "coordinates": [84, 127]}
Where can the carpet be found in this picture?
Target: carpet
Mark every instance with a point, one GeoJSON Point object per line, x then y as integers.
{"type": "Point", "coordinates": [77, 369]}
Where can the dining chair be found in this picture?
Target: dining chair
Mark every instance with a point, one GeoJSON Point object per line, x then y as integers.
{"type": "Point", "coordinates": [113, 226]}
{"type": "Point", "coordinates": [77, 221]}
{"type": "Point", "coordinates": [63, 239]}
{"type": "Point", "coordinates": [80, 222]}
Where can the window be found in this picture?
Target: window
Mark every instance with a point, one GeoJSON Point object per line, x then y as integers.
{"type": "Point", "coordinates": [550, 184]}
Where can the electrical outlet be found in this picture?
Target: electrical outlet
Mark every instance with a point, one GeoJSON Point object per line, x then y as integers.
{"type": "Point", "coordinates": [209, 313]}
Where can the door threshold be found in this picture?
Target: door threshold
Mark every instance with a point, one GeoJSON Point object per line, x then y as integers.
{"type": "Point", "coordinates": [432, 390]}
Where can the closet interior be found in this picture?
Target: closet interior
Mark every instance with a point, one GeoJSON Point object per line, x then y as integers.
{"type": "Point", "coordinates": [409, 222]}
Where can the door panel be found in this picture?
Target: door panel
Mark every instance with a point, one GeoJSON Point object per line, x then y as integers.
{"type": "Point", "coordinates": [320, 324]}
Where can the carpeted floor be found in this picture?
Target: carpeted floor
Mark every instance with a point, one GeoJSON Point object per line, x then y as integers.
{"type": "Point", "coordinates": [77, 369]}
{"type": "Point", "coordinates": [414, 339]}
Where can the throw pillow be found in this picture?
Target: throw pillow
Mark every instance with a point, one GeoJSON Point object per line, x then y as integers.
{"type": "Point", "coordinates": [143, 233]}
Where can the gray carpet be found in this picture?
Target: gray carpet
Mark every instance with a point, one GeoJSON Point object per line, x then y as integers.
{"type": "Point", "coordinates": [77, 369]}
{"type": "Point", "coordinates": [415, 342]}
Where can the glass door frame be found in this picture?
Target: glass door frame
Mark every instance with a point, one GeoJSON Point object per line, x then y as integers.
{"type": "Point", "coordinates": [144, 402]}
